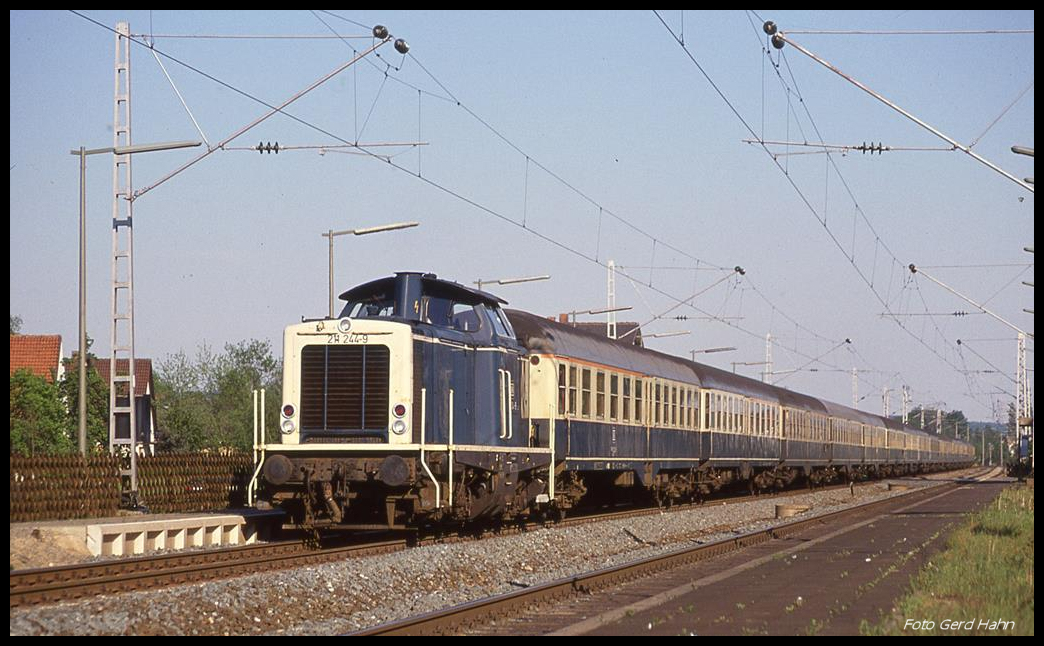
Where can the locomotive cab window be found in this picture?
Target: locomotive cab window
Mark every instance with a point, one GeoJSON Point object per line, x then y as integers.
{"type": "Point", "coordinates": [465, 318]}
{"type": "Point", "coordinates": [500, 323]}
{"type": "Point", "coordinates": [370, 308]}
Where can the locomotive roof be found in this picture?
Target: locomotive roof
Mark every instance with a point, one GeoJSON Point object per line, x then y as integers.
{"type": "Point", "coordinates": [432, 285]}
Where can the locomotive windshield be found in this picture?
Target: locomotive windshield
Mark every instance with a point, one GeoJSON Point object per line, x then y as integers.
{"type": "Point", "coordinates": [425, 299]}
{"type": "Point", "coordinates": [370, 308]}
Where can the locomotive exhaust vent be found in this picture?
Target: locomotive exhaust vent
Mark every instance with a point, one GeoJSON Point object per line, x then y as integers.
{"type": "Point", "coordinates": [344, 389]}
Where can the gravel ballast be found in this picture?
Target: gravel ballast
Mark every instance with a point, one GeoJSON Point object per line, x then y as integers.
{"type": "Point", "coordinates": [341, 597]}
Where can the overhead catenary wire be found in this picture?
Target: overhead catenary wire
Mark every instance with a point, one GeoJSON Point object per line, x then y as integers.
{"type": "Point", "coordinates": [530, 160]}
{"type": "Point", "coordinates": [935, 131]}
{"type": "Point", "coordinates": [470, 201]}
{"type": "Point", "coordinates": [251, 37]}
{"type": "Point", "coordinates": [908, 32]}
{"type": "Point", "coordinates": [804, 198]}
{"type": "Point", "coordinates": [544, 236]}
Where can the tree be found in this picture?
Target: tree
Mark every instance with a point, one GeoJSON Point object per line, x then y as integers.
{"type": "Point", "coordinates": [39, 423]}
{"type": "Point", "coordinates": [16, 324]}
{"type": "Point", "coordinates": [182, 410]}
{"type": "Point", "coordinates": [97, 404]}
{"type": "Point", "coordinates": [207, 402]}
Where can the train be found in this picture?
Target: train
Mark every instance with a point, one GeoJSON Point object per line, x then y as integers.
{"type": "Point", "coordinates": [426, 403]}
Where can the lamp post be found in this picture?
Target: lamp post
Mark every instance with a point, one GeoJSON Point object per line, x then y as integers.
{"type": "Point", "coordinates": [604, 310]}
{"type": "Point", "coordinates": [660, 335]}
{"type": "Point", "coordinates": [82, 153]}
{"type": "Point", "coordinates": [709, 351]}
{"type": "Point", "coordinates": [511, 281]}
{"type": "Point", "coordinates": [331, 234]}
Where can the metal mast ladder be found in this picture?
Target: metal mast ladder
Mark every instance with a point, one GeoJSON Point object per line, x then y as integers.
{"type": "Point", "coordinates": [121, 382]}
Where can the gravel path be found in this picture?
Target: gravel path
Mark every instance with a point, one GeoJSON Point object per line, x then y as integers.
{"type": "Point", "coordinates": [342, 597]}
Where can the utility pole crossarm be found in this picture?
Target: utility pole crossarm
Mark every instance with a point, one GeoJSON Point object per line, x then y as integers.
{"type": "Point", "coordinates": [914, 270]}
{"type": "Point", "coordinates": [780, 39]}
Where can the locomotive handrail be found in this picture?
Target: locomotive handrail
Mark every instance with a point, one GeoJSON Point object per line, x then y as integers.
{"type": "Point", "coordinates": [423, 461]}
{"type": "Point", "coordinates": [450, 449]}
{"type": "Point", "coordinates": [509, 388]}
{"type": "Point", "coordinates": [501, 390]}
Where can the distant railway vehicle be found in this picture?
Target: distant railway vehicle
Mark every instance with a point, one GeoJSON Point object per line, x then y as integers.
{"type": "Point", "coordinates": [426, 402]}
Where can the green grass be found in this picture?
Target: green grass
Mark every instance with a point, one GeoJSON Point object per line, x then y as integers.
{"type": "Point", "coordinates": [985, 575]}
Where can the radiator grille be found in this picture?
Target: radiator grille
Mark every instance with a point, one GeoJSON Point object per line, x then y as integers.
{"type": "Point", "coordinates": [344, 388]}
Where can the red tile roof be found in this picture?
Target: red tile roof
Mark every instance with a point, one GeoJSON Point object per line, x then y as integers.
{"type": "Point", "coordinates": [40, 353]}
{"type": "Point", "coordinates": [142, 373]}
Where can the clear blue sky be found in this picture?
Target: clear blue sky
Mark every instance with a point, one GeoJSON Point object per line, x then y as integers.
{"type": "Point", "coordinates": [610, 103]}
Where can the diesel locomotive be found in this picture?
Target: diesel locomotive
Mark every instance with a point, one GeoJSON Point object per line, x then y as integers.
{"type": "Point", "coordinates": [426, 402]}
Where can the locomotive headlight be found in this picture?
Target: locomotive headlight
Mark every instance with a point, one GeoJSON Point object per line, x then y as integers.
{"type": "Point", "coordinates": [344, 325]}
{"type": "Point", "coordinates": [399, 427]}
{"type": "Point", "coordinates": [287, 426]}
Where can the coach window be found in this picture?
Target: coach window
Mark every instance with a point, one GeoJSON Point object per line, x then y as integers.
{"type": "Point", "coordinates": [686, 397]}
{"type": "Point", "coordinates": [685, 407]}
{"type": "Point", "coordinates": [667, 405]}
{"type": "Point", "coordinates": [585, 393]}
{"type": "Point", "coordinates": [639, 394]}
{"type": "Point", "coordinates": [681, 407]}
{"type": "Point", "coordinates": [600, 394]}
{"type": "Point", "coordinates": [667, 388]}
{"type": "Point", "coordinates": [626, 415]}
{"type": "Point", "coordinates": [572, 390]}
{"type": "Point", "coordinates": [695, 399]}
{"type": "Point", "coordinates": [562, 387]}
{"type": "Point", "coordinates": [705, 422]}
{"type": "Point", "coordinates": [614, 396]}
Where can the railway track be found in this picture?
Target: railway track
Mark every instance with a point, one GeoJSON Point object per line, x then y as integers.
{"type": "Point", "coordinates": [462, 618]}
{"type": "Point", "coordinates": [72, 582]}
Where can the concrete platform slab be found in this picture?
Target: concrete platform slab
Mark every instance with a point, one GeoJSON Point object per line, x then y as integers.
{"type": "Point", "coordinates": [141, 534]}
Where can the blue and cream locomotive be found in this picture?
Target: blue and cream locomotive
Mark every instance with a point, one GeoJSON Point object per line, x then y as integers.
{"type": "Point", "coordinates": [426, 402]}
